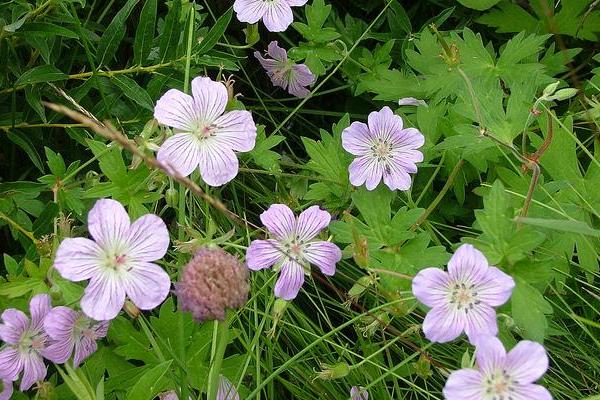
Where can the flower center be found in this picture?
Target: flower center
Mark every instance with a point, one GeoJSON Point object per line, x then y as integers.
{"type": "Point", "coordinates": [83, 327]}
{"type": "Point", "coordinates": [463, 296]}
{"type": "Point", "coordinates": [116, 260]}
{"type": "Point", "coordinates": [203, 132]}
{"type": "Point", "coordinates": [382, 150]}
{"type": "Point", "coordinates": [30, 342]}
{"type": "Point", "coordinates": [499, 386]}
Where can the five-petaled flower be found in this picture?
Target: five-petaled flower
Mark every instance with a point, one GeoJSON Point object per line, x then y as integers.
{"type": "Point", "coordinates": [384, 149]}
{"type": "Point", "coordinates": [276, 14]}
{"type": "Point", "coordinates": [206, 136]}
{"type": "Point", "coordinates": [26, 343]}
{"type": "Point", "coordinates": [284, 73]}
{"type": "Point", "coordinates": [118, 262]}
{"type": "Point", "coordinates": [70, 331]}
{"type": "Point", "coordinates": [293, 247]}
{"type": "Point", "coordinates": [462, 299]}
{"type": "Point", "coordinates": [501, 376]}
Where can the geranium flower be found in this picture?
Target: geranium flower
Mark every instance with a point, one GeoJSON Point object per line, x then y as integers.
{"type": "Point", "coordinates": [359, 393]}
{"type": "Point", "coordinates": [25, 343]}
{"type": "Point", "coordinates": [284, 73]}
{"type": "Point", "coordinates": [226, 390]}
{"type": "Point", "coordinates": [384, 149]}
{"type": "Point", "coordinates": [276, 14]}
{"type": "Point", "coordinates": [7, 389]}
{"type": "Point", "coordinates": [462, 299]}
{"type": "Point", "coordinates": [500, 375]}
{"type": "Point", "coordinates": [207, 137]}
{"type": "Point", "coordinates": [71, 330]}
{"type": "Point", "coordinates": [292, 248]}
{"type": "Point", "coordinates": [118, 262]}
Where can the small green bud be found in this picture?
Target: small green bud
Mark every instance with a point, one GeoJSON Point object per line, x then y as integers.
{"type": "Point", "coordinates": [564, 94]}
{"type": "Point", "coordinates": [336, 371]}
{"type": "Point", "coordinates": [550, 89]}
{"type": "Point", "coordinates": [466, 360]}
{"type": "Point", "coordinates": [46, 391]}
{"type": "Point", "coordinates": [277, 313]}
{"type": "Point", "coordinates": [172, 197]}
{"type": "Point", "coordinates": [423, 367]}
{"type": "Point", "coordinates": [252, 34]}
{"type": "Point", "coordinates": [55, 292]}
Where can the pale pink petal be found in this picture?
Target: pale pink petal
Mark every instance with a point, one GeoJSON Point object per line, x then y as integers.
{"type": "Point", "coordinates": [263, 254]}
{"type": "Point", "coordinates": [527, 362]}
{"type": "Point", "coordinates": [108, 223]}
{"type": "Point", "coordinates": [34, 370]}
{"type": "Point", "coordinates": [7, 389]}
{"type": "Point", "coordinates": [78, 259]}
{"type": "Point", "coordinates": [11, 363]}
{"type": "Point", "coordinates": [531, 392]}
{"type": "Point", "coordinates": [104, 296]}
{"type": "Point", "coordinates": [291, 278]}
{"type": "Point", "coordinates": [357, 139]}
{"type": "Point", "coordinates": [210, 98]}
{"type": "Point", "coordinates": [324, 255]}
{"type": "Point", "coordinates": [490, 354]}
{"type": "Point", "coordinates": [226, 390]}
{"type": "Point", "coordinates": [236, 130]}
{"type": "Point", "coordinates": [299, 77]}
{"type": "Point", "coordinates": [59, 323]}
{"type": "Point", "coordinates": [468, 264]}
{"type": "Point", "coordinates": [496, 288]}
{"type": "Point", "coordinates": [39, 307]}
{"type": "Point", "coordinates": [218, 164]}
{"type": "Point", "coordinates": [358, 393]}
{"type": "Point", "coordinates": [443, 324]}
{"type": "Point", "coordinates": [147, 285]}
{"type": "Point", "coordinates": [297, 3]}
{"type": "Point", "coordinates": [148, 238]}
{"type": "Point", "coordinates": [176, 110]}
{"type": "Point", "coordinates": [180, 153]}
{"type": "Point", "coordinates": [365, 170]}
{"type": "Point", "coordinates": [480, 320]}
{"type": "Point", "coordinates": [311, 221]}
{"type": "Point", "coordinates": [15, 322]}
{"type": "Point", "coordinates": [59, 351]}
{"type": "Point", "coordinates": [101, 329]}
{"type": "Point", "coordinates": [395, 176]}
{"type": "Point", "coordinates": [278, 16]}
{"type": "Point", "coordinates": [465, 384]}
{"type": "Point", "coordinates": [276, 52]}
{"type": "Point", "coordinates": [407, 139]}
{"type": "Point", "coordinates": [279, 220]}
{"type": "Point", "coordinates": [83, 349]}
{"type": "Point", "coordinates": [384, 123]}
{"type": "Point", "coordinates": [430, 287]}
{"type": "Point", "coordinates": [269, 65]}
{"type": "Point", "coordinates": [250, 11]}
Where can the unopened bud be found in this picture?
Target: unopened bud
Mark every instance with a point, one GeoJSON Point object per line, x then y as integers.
{"type": "Point", "coordinates": [564, 94]}
{"type": "Point", "coordinates": [172, 197]}
{"type": "Point", "coordinates": [336, 371]}
{"type": "Point", "coordinates": [55, 292]}
{"type": "Point", "coordinates": [423, 367]}
{"type": "Point", "coordinates": [277, 312]}
{"type": "Point", "coordinates": [550, 89]}
{"type": "Point", "coordinates": [131, 309]}
{"type": "Point", "coordinates": [357, 290]}
{"type": "Point", "coordinates": [361, 251]}
{"type": "Point", "coordinates": [45, 391]}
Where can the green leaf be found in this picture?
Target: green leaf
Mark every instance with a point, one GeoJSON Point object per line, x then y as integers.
{"type": "Point", "coordinates": [215, 33]}
{"type": "Point", "coordinates": [114, 33]}
{"type": "Point", "coordinates": [149, 384]}
{"type": "Point", "coordinates": [43, 73]}
{"type": "Point", "coordinates": [480, 5]}
{"type": "Point", "coordinates": [529, 309]}
{"type": "Point", "coordinates": [378, 216]}
{"type": "Point", "coordinates": [111, 161]}
{"type": "Point", "coordinates": [316, 15]}
{"type": "Point", "coordinates": [169, 38]}
{"type": "Point", "coordinates": [47, 29]}
{"type": "Point", "coordinates": [11, 265]}
{"type": "Point", "coordinates": [55, 162]}
{"type": "Point", "coordinates": [24, 142]}
{"type": "Point", "coordinates": [133, 91]}
{"type": "Point", "coordinates": [562, 225]}
{"type": "Point", "coordinates": [144, 32]}
{"type": "Point", "coordinates": [262, 153]}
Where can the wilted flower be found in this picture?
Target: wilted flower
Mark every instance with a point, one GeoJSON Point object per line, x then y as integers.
{"type": "Point", "coordinates": [70, 331]}
{"type": "Point", "coordinates": [462, 299]}
{"type": "Point", "coordinates": [284, 73]}
{"type": "Point", "coordinates": [276, 14]}
{"type": "Point", "coordinates": [25, 343]}
{"type": "Point", "coordinates": [333, 371]}
{"type": "Point", "coordinates": [208, 136]}
{"type": "Point", "coordinates": [212, 282]}
{"type": "Point", "coordinates": [384, 149]}
{"type": "Point", "coordinates": [226, 390]}
{"type": "Point", "coordinates": [359, 393]}
{"type": "Point", "coordinates": [500, 375]}
{"type": "Point", "coordinates": [293, 249]}
{"type": "Point", "coordinates": [6, 389]}
{"type": "Point", "coordinates": [411, 101]}
{"type": "Point", "coordinates": [118, 262]}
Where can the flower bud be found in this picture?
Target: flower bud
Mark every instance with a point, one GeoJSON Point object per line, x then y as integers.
{"type": "Point", "coordinates": [564, 94]}
{"type": "Point", "coordinates": [336, 371]}
{"type": "Point", "coordinates": [423, 367]}
{"type": "Point", "coordinates": [357, 290]}
{"type": "Point", "coordinates": [172, 197]}
{"type": "Point", "coordinates": [277, 312]}
{"type": "Point", "coordinates": [211, 283]}
{"type": "Point", "coordinates": [46, 391]}
{"type": "Point", "coordinates": [550, 89]}
{"type": "Point", "coordinates": [131, 309]}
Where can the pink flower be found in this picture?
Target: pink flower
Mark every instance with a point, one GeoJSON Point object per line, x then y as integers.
{"type": "Point", "coordinates": [207, 137]}
{"type": "Point", "coordinates": [226, 390]}
{"type": "Point", "coordinates": [118, 262]}
{"type": "Point", "coordinates": [384, 150]}
{"type": "Point", "coordinates": [71, 330]}
{"type": "Point", "coordinates": [7, 389]}
{"type": "Point", "coordinates": [359, 393]}
{"type": "Point", "coordinates": [500, 375]}
{"type": "Point", "coordinates": [25, 343]}
{"type": "Point", "coordinates": [292, 248]}
{"type": "Point", "coordinates": [276, 14]}
{"type": "Point", "coordinates": [284, 73]}
{"type": "Point", "coordinates": [462, 299]}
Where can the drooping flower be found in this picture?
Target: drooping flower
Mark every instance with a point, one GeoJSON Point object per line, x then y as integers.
{"type": "Point", "coordinates": [207, 137]}
{"type": "Point", "coordinates": [293, 247]}
{"type": "Point", "coordinates": [500, 375]}
{"type": "Point", "coordinates": [276, 14]}
{"type": "Point", "coordinates": [359, 393]}
{"type": "Point", "coordinates": [212, 282]}
{"type": "Point", "coordinates": [384, 149]}
{"type": "Point", "coordinates": [284, 73]}
{"type": "Point", "coordinates": [118, 262]}
{"type": "Point", "coordinates": [70, 331]}
{"type": "Point", "coordinates": [462, 299]}
{"type": "Point", "coordinates": [226, 390]}
{"type": "Point", "coordinates": [6, 389]}
{"type": "Point", "coordinates": [26, 343]}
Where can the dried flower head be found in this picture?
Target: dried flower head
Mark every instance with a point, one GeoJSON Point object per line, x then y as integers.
{"type": "Point", "coordinates": [212, 282]}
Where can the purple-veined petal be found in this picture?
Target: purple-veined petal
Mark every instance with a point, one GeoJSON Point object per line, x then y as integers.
{"type": "Point", "coordinates": [7, 389]}
{"type": "Point", "coordinates": [83, 349]}
{"type": "Point", "coordinates": [104, 297]}
{"type": "Point", "coordinates": [527, 362]}
{"type": "Point", "coordinates": [490, 354]}
{"type": "Point", "coordinates": [263, 254]}
{"type": "Point", "coordinates": [365, 170]}
{"type": "Point", "coordinates": [250, 11]}
{"type": "Point", "coordinates": [291, 278]}
{"type": "Point", "coordinates": [358, 393]}
{"type": "Point", "coordinates": [218, 164]}
{"type": "Point", "coordinates": [465, 384]}
{"type": "Point", "coordinates": [311, 221]}
{"type": "Point", "coordinates": [148, 238]}
{"type": "Point", "coordinates": [496, 289]}
{"type": "Point", "coordinates": [59, 323]}
{"type": "Point", "coordinates": [480, 320]}
{"type": "Point", "coordinates": [395, 176]}
{"type": "Point", "coordinates": [269, 65]}
{"type": "Point", "coordinates": [300, 76]}
{"type": "Point", "coordinates": [531, 392]}
{"type": "Point", "coordinates": [180, 153]}
{"type": "Point", "coordinates": [430, 287]}
{"type": "Point", "coordinates": [176, 110]}
{"type": "Point", "coordinates": [226, 390]}
{"type": "Point", "coordinates": [276, 52]}
{"type": "Point", "coordinates": [279, 220]}
{"type": "Point", "coordinates": [34, 370]}
{"type": "Point", "coordinates": [236, 130]}
{"type": "Point", "coordinates": [324, 255]}
{"type": "Point", "coordinates": [384, 123]}
{"type": "Point", "coordinates": [15, 322]}
{"type": "Point", "coordinates": [59, 351]}
{"type": "Point", "coordinates": [443, 324]}
{"type": "Point", "coordinates": [408, 139]}
{"type": "Point", "coordinates": [357, 139]}
{"type": "Point", "coordinates": [468, 264]}
{"type": "Point", "coordinates": [108, 223]}
{"type": "Point", "coordinates": [278, 16]}
{"type": "Point", "coordinates": [147, 285]}
{"type": "Point", "coordinates": [11, 363]}
{"type": "Point", "coordinates": [210, 98]}
{"type": "Point", "coordinates": [407, 159]}
{"type": "Point", "coordinates": [297, 3]}
{"type": "Point", "coordinates": [39, 307]}
{"type": "Point", "coordinates": [101, 329]}
{"type": "Point", "coordinates": [78, 259]}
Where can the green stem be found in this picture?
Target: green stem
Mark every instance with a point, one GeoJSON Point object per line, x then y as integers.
{"type": "Point", "coordinates": [221, 335]}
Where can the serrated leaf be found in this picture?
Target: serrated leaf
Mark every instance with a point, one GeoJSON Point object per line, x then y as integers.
{"type": "Point", "coordinates": [43, 73]}
{"type": "Point", "coordinates": [529, 309]}
{"type": "Point", "coordinates": [149, 384]}
{"type": "Point", "coordinates": [480, 5]}
{"type": "Point", "coordinates": [144, 32]}
{"type": "Point", "coordinates": [133, 91]}
{"type": "Point", "coordinates": [114, 33]}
